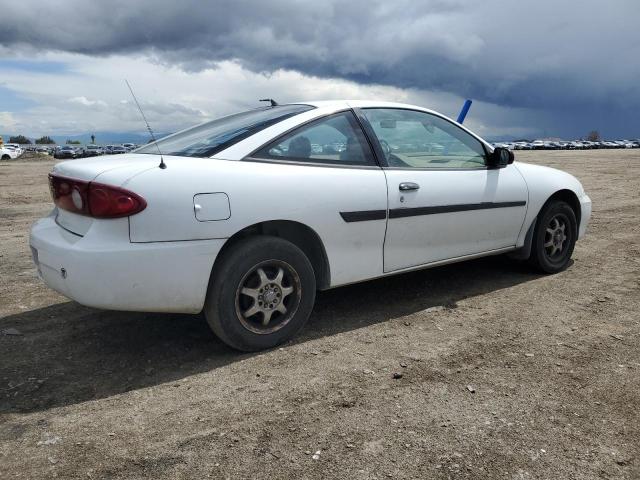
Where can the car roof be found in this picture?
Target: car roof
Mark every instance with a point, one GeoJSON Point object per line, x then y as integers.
{"type": "Point", "coordinates": [346, 103]}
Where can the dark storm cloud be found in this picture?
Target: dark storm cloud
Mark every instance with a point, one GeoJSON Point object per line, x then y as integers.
{"type": "Point", "coordinates": [564, 57]}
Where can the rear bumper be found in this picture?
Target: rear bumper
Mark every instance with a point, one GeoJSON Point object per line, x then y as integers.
{"type": "Point", "coordinates": [116, 274]}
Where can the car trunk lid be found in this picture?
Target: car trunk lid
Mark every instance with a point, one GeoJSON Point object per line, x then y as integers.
{"type": "Point", "coordinates": [89, 169]}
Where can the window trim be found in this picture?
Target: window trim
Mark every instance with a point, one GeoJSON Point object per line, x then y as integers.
{"type": "Point", "coordinates": [373, 164]}
{"type": "Point", "coordinates": [383, 160]}
{"type": "Point", "coordinates": [310, 164]}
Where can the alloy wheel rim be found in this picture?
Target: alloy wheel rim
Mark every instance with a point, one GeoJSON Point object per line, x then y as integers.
{"type": "Point", "coordinates": [556, 237]}
{"type": "Point", "coordinates": [268, 296]}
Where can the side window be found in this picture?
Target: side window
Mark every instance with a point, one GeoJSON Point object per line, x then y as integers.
{"type": "Point", "coordinates": [336, 139]}
{"type": "Point", "coordinates": [413, 139]}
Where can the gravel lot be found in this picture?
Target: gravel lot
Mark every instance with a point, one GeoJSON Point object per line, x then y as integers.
{"type": "Point", "coordinates": [505, 373]}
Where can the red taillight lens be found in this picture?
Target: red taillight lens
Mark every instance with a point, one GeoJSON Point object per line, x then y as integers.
{"type": "Point", "coordinates": [113, 202]}
{"type": "Point", "coordinates": [94, 199]}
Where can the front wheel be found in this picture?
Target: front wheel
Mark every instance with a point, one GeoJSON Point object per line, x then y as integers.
{"type": "Point", "coordinates": [261, 293]}
{"type": "Point", "coordinates": [554, 237]}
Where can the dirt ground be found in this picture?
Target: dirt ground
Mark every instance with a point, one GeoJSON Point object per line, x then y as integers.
{"type": "Point", "coordinates": [553, 362]}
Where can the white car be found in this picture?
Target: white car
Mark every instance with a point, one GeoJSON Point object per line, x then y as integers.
{"type": "Point", "coordinates": [245, 217]}
{"type": "Point", "coordinates": [7, 153]}
{"type": "Point", "coordinates": [16, 147]}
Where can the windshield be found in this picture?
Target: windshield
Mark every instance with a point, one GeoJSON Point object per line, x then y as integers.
{"type": "Point", "coordinates": [212, 137]}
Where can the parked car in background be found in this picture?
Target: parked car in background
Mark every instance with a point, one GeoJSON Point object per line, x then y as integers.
{"type": "Point", "coordinates": [243, 219]}
{"type": "Point", "coordinates": [129, 146]}
{"type": "Point", "coordinates": [16, 147]}
{"type": "Point", "coordinates": [17, 151]}
{"type": "Point", "coordinates": [118, 149]}
{"type": "Point", "coordinates": [93, 150]}
{"type": "Point", "coordinates": [8, 153]}
{"type": "Point", "coordinates": [66, 151]}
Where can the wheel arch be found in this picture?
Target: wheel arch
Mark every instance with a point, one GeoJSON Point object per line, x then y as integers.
{"type": "Point", "coordinates": [568, 196]}
{"type": "Point", "coordinates": [565, 195]}
{"type": "Point", "coordinates": [301, 235]}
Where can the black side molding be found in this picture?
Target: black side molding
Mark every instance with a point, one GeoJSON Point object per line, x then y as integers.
{"type": "Point", "coordinates": [417, 211]}
{"type": "Point", "coordinates": [363, 216]}
{"type": "Point", "coordinates": [366, 215]}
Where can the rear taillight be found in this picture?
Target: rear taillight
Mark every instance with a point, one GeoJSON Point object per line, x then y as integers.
{"type": "Point", "coordinates": [94, 199]}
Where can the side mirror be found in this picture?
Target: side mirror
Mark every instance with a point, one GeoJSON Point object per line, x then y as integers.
{"type": "Point", "coordinates": [500, 158]}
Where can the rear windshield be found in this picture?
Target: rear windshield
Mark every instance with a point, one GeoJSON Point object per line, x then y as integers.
{"type": "Point", "coordinates": [212, 137]}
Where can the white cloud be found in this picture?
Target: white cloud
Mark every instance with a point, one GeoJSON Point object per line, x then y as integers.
{"type": "Point", "coordinates": [90, 95]}
{"type": "Point", "coordinates": [88, 103]}
{"type": "Point", "coordinates": [7, 122]}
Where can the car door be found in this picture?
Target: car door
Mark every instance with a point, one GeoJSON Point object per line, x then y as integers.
{"type": "Point", "coordinates": [443, 201]}
{"type": "Point", "coordinates": [335, 187]}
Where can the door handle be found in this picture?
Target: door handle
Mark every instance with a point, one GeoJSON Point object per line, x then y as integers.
{"type": "Point", "coordinates": [407, 186]}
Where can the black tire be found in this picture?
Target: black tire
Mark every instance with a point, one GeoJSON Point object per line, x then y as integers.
{"type": "Point", "coordinates": [6, 157]}
{"type": "Point", "coordinates": [226, 308]}
{"type": "Point", "coordinates": [550, 253]}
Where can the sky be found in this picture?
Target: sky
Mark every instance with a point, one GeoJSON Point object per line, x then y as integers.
{"type": "Point", "coordinates": [533, 68]}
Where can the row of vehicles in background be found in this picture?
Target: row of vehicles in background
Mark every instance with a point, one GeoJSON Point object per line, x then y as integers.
{"type": "Point", "coordinates": [10, 151]}
{"type": "Point", "coordinates": [73, 151]}
{"type": "Point", "coordinates": [563, 145]}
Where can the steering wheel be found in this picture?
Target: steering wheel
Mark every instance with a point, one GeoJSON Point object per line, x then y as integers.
{"type": "Point", "coordinates": [392, 160]}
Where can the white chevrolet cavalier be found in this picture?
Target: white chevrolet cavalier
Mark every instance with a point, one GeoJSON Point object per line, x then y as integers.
{"type": "Point", "coordinates": [256, 211]}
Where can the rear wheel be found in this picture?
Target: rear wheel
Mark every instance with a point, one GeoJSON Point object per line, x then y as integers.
{"type": "Point", "coordinates": [6, 157]}
{"type": "Point", "coordinates": [554, 238]}
{"type": "Point", "coordinates": [261, 293]}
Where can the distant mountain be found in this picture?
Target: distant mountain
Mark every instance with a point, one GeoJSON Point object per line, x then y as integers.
{"type": "Point", "coordinates": [102, 138]}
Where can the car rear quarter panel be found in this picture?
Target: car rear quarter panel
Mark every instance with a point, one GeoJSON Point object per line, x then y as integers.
{"type": "Point", "coordinates": [259, 192]}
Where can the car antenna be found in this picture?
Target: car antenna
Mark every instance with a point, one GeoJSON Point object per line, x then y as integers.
{"type": "Point", "coordinates": [153, 137]}
{"type": "Point", "coordinates": [273, 102]}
